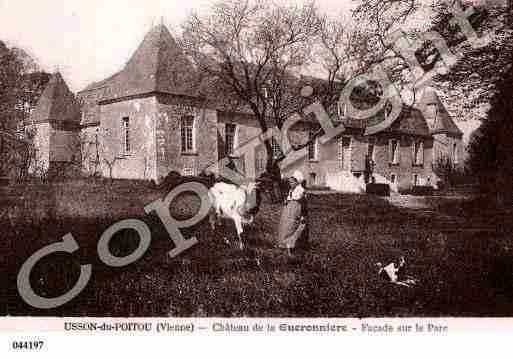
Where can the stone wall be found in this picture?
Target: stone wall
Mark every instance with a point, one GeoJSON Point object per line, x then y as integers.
{"type": "Point", "coordinates": [170, 110]}
{"type": "Point", "coordinates": [247, 129]}
{"type": "Point", "coordinates": [41, 140]}
{"type": "Point", "coordinates": [90, 150]}
{"type": "Point", "coordinates": [140, 161]}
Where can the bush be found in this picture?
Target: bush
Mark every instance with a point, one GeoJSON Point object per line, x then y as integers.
{"type": "Point", "coordinates": [422, 191]}
{"type": "Point", "coordinates": [379, 189]}
{"type": "Point", "coordinates": [450, 174]}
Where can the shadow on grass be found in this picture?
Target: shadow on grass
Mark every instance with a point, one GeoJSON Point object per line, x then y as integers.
{"type": "Point", "coordinates": [461, 273]}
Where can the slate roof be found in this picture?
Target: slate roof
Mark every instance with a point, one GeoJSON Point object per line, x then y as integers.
{"type": "Point", "coordinates": [409, 122]}
{"type": "Point", "coordinates": [442, 123]}
{"type": "Point", "coordinates": [158, 65]}
{"type": "Point", "coordinates": [57, 103]}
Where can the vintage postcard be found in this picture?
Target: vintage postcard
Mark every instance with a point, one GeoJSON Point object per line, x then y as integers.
{"type": "Point", "coordinates": [254, 169]}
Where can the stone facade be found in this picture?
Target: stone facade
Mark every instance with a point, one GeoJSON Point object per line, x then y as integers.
{"type": "Point", "coordinates": [55, 123]}
{"type": "Point", "coordinates": [143, 123]}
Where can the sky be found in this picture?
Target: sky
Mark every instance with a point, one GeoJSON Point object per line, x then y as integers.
{"type": "Point", "coordinates": [90, 40]}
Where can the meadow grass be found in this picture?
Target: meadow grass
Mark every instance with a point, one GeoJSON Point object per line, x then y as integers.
{"type": "Point", "coordinates": [459, 250]}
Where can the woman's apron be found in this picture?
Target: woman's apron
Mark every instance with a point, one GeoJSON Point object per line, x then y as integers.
{"type": "Point", "coordinates": [291, 232]}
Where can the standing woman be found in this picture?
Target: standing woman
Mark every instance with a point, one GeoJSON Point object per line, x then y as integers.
{"type": "Point", "coordinates": [293, 229]}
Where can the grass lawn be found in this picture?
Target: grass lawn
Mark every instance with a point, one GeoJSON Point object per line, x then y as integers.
{"type": "Point", "coordinates": [460, 251]}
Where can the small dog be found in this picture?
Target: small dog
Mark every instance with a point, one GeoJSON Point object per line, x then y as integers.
{"type": "Point", "coordinates": [396, 273]}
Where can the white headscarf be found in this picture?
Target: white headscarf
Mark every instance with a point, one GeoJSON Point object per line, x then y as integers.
{"type": "Point", "coordinates": [298, 176]}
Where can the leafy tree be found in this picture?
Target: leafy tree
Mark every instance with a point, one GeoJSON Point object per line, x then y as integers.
{"type": "Point", "coordinates": [491, 147]}
{"type": "Point", "coordinates": [21, 84]}
{"type": "Point", "coordinates": [252, 52]}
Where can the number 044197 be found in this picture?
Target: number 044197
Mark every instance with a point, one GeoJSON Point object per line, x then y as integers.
{"type": "Point", "coordinates": [27, 345]}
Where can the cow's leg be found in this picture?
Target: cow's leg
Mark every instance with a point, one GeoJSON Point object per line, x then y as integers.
{"type": "Point", "coordinates": [212, 219]}
{"type": "Point", "coordinates": [238, 226]}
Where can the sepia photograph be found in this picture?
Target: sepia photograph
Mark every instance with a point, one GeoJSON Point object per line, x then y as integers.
{"type": "Point", "coordinates": [256, 159]}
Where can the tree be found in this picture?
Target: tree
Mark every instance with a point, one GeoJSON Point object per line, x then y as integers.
{"type": "Point", "coordinates": [21, 84]}
{"type": "Point", "coordinates": [491, 146]}
{"type": "Point", "coordinates": [478, 85]}
{"type": "Point", "coordinates": [253, 51]}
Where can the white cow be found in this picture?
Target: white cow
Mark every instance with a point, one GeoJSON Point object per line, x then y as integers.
{"type": "Point", "coordinates": [239, 203]}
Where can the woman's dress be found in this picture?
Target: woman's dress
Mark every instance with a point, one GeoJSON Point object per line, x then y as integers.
{"type": "Point", "coordinates": [292, 232]}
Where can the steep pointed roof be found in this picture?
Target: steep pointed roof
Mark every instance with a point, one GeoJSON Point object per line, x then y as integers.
{"type": "Point", "coordinates": [57, 103]}
{"type": "Point", "coordinates": [439, 121]}
{"type": "Point", "coordinates": [158, 65]}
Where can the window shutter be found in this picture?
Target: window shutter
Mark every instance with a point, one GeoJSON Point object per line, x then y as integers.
{"type": "Point", "coordinates": [413, 152]}
{"type": "Point", "coordinates": [121, 138]}
{"type": "Point", "coordinates": [390, 152]}
{"type": "Point", "coordinates": [398, 149]}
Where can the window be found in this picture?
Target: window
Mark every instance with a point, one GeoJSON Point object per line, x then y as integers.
{"type": "Point", "coordinates": [261, 160]}
{"type": "Point", "coordinates": [393, 178]}
{"type": "Point", "coordinates": [418, 153]}
{"type": "Point", "coordinates": [394, 151]}
{"type": "Point", "coordinates": [455, 158]}
{"type": "Point", "coordinates": [276, 148]}
{"type": "Point", "coordinates": [313, 179]}
{"type": "Point", "coordinates": [312, 146]}
{"type": "Point", "coordinates": [126, 135]}
{"type": "Point", "coordinates": [342, 110]}
{"type": "Point", "coordinates": [371, 149]}
{"type": "Point", "coordinates": [188, 171]}
{"type": "Point", "coordinates": [230, 137]}
{"type": "Point", "coordinates": [344, 153]}
{"type": "Point", "coordinates": [415, 179]}
{"type": "Point", "coordinates": [431, 115]}
{"type": "Point", "coordinates": [187, 131]}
